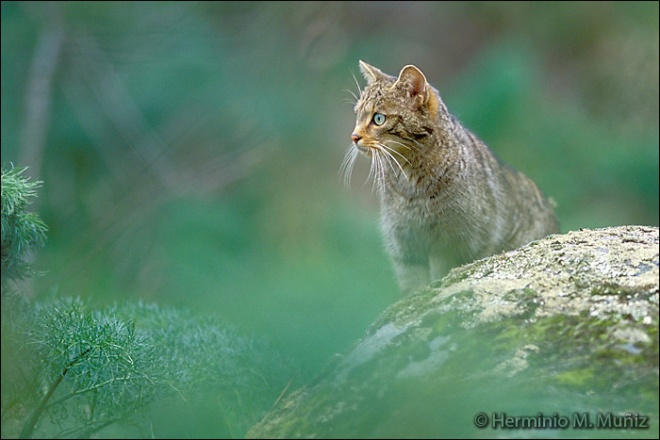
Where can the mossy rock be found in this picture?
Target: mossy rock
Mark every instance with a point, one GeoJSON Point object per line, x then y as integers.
{"type": "Point", "coordinates": [558, 338]}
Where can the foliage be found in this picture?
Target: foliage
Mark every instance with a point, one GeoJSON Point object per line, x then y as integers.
{"type": "Point", "coordinates": [191, 149]}
{"type": "Point", "coordinates": [69, 370]}
{"type": "Point", "coordinates": [21, 231]}
{"type": "Point", "coordinates": [78, 370]}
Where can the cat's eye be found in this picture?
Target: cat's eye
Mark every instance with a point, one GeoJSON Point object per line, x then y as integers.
{"type": "Point", "coordinates": [379, 118]}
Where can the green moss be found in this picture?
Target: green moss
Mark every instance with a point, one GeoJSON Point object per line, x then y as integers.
{"type": "Point", "coordinates": [578, 377]}
{"type": "Point", "coordinates": [607, 288]}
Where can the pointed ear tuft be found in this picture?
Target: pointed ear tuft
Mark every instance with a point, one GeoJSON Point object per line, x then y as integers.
{"type": "Point", "coordinates": [371, 73]}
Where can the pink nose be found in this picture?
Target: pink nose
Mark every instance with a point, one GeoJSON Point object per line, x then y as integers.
{"type": "Point", "coordinates": [356, 137]}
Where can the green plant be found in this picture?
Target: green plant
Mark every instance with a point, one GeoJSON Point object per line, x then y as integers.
{"type": "Point", "coordinates": [77, 370]}
{"type": "Point", "coordinates": [71, 370]}
{"type": "Point", "coordinates": [85, 369]}
{"type": "Point", "coordinates": [21, 231]}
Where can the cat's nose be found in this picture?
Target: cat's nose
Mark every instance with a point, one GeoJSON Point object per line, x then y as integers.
{"type": "Point", "coordinates": [356, 137]}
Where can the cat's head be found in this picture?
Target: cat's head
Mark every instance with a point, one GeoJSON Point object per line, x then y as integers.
{"type": "Point", "coordinates": [395, 117]}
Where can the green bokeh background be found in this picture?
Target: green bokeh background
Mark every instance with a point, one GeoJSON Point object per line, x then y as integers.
{"type": "Point", "coordinates": [190, 151]}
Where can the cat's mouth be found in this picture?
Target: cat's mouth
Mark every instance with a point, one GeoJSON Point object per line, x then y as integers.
{"type": "Point", "coordinates": [383, 161]}
{"type": "Point", "coordinates": [364, 149]}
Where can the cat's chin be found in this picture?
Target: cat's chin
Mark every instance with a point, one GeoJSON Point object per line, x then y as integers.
{"type": "Point", "coordinates": [364, 150]}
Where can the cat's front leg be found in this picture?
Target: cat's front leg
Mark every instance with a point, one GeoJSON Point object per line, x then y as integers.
{"type": "Point", "coordinates": [412, 276]}
{"type": "Point", "coordinates": [407, 249]}
{"type": "Point", "coordinates": [439, 266]}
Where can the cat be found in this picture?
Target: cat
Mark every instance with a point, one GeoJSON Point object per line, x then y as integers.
{"type": "Point", "coordinates": [445, 198]}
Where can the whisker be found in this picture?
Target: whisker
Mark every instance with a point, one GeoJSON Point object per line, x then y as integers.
{"type": "Point", "coordinates": [388, 148]}
{"type": "Point", "coordinates": [379, 178]}
{"type": "Point", "coordinates": [420, 145]}
{"type": "Point", "coordinates": [382, 157]}
{"type": "Point", "coordinates": [372, 168]}
{"type": "Point", "coordinates": [346, 160]}
{"type": "Point", "coordinates": [357, 83]}
{"type": "Point", "coordinates": [389, 157]}
{"type": "Point", "coordinates": [407, 147]}
{"type": "Point", "coordinates": [355, 98]}
{"type": "Point", "coordinates": [346, 167]}
{"type": "Point", "coordinates": [373, 171]}
{"type": "Point", "coordinates": [354, 156]}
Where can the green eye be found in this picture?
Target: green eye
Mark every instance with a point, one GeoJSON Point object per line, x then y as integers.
{"type": "Point", "coordinates": [379, 118]}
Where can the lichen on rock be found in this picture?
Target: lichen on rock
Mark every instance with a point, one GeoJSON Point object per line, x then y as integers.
{"type": "Point", "coordinates": [566, 325]}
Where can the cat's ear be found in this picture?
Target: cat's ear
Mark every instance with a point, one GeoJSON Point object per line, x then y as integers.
{"type": "Point", "coordinates": [413, 82]}
{"type": "Point", "coordinates": [371, 73]}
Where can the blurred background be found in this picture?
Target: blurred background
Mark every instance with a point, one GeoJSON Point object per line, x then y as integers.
{"type": "Point", "coordinates": [190, 151]}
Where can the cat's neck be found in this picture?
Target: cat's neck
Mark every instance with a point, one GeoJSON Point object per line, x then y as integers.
{"type": "Point", "coordinates": [433, 173]}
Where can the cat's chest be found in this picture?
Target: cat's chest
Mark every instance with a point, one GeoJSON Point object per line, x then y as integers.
{"type": "Point", "coordinates": [427, 201]}
{"type": "Point", "coordinates": [409, 205]}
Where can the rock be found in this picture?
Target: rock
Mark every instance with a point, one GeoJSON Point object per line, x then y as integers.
{"type": "Point", "coordinates": [557, 338]}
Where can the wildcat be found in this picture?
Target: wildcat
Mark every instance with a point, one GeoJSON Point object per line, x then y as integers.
{"type": "Point", "coordinates": [445, 199]}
